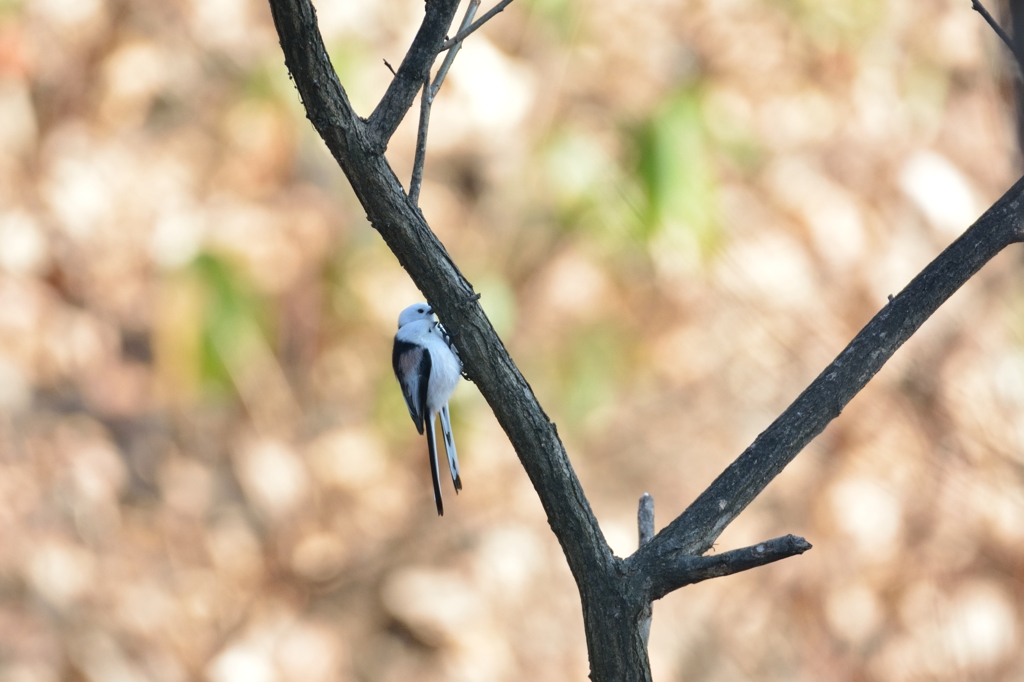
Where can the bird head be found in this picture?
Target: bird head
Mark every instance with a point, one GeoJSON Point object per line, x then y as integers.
{"type": "Point", "coordinates": [417, 311]}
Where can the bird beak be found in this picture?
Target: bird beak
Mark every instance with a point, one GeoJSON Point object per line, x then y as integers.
{"type": "Point", "coordinates": [430, 311]}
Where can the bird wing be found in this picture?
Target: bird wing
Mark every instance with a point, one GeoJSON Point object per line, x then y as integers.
{"type": "Point", "coordinates": [411, 363]}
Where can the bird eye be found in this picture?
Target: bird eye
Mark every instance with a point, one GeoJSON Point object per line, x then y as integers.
{"type": "Point", "coordinates": [419, 310]}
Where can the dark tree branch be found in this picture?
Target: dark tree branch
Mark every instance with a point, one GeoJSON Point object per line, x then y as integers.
{"type": "Point", "coordinates": [421, 143]}
{"type": "Point", "coordinates": [323, 97]}
{"type": "Point", "coordinates": [980, 9]}
{"type": "Point", "coordinates": [689, 569]}
{"type": "Point", "coordinates": [400, 95]}
{"type": "Point", "coordinates": [696, 529]}
{"type": "Point", "coordinates": [427, 99]}
{"type": "Point", "coordinates": [465, 31]}
{"type": "Point", "coordinates": [617, 653]}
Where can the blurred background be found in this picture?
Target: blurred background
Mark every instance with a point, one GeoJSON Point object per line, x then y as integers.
{"type": "Point", "coordinates": [677, 212]}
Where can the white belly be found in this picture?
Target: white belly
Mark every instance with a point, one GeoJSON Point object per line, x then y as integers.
{"type": "Point", "coordinates": [445, 370]}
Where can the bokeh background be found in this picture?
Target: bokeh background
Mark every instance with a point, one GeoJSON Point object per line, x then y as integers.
{"type": "Point", "coordinates": [677, 213]}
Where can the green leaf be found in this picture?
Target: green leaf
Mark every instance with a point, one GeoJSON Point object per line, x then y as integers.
{"type": "Point", "coordinates": [676, 175]}
{"type": "Point", "coordinates": [231, 312]}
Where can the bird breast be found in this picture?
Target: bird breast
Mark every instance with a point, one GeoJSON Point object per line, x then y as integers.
{"type": "Point", "coordinates": [445, 370]}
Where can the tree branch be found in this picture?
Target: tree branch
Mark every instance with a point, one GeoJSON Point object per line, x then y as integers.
{"type": "Point", "coordinates": [980, 9]}
{"type": "Point", "coordinates": [427, 99]}
{"type": "Point", "coordinates": [421, 143]}
{"type": "Point", "coordinates": [688, 569]}
{"type": "Point", "coordinates": [400, 95]}
{"type": "Point", "coordinates": [616, 653]}
{"type": "Point", "coordinates": [486, 360]}
{"type": "Point", "coordinates": [465, 31]}
{"type": "Point", "coordinates": [695, 530]}
{"type": "Point", "coordinates": [323, 97]}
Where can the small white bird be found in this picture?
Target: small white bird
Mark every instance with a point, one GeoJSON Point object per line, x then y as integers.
{"type": "Point", "coordinates": [428, 368]}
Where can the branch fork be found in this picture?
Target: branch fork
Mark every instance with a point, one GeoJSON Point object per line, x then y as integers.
{"type": "Point", "coordinates": [427, 99]}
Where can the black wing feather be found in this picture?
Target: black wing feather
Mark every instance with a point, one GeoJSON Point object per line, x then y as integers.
{"type": "Point", "coordinates": [417, 404]}
{"type": "Point", "coordinates": [435, 472]}
{"type": "Point", "coordinates": [424, 372]}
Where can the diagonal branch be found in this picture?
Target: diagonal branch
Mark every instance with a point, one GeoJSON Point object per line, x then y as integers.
{"type": "Point", "coordinates": [465, 31]}
{"type": "Point", "coordinates": [695, 530]}
{"type": "Point", "coordinates": [486, 360]}
{"type": "Point", "coordinates": [400, 95]}
{"type": "Point", "coordinates": [616, 653]}
{"type": "Point", "coordinates": [980, 9]}
{"type": "Point", "coordinates": [323, 97]}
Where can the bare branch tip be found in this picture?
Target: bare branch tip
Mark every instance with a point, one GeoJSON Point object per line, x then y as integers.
{"type": "Point", "coordinates": [799, 544]}
{"type": "Point", "coordinates": [980, 9]}
{"type": "Point", "coordinates": [645, 519]}
{"type": "Point", "coordinates": [390, 68]}
{"type": "Point", "coordinates": [787, 545]}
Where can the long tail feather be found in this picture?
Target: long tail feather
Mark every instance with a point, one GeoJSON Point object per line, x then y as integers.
{"type": "Point", "coordinates": [435, 473]}
{"type": "Point", "coordinates": [449, 447]}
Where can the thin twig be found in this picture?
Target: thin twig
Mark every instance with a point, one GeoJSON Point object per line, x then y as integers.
{"type": "Point", "coordinates": [463, 32]}
{"type": "Point", "coordinates": [427, 99]}
{"type": "Point", "coordinates": [390, 68]}
{"type": "Point", "coordinates": [401, 92]}
{"type": "Point", "coordinates": [645, 527]}
{"type": "Point", "coordinates": [474, 5]}
{"type": "Point", "coordinates": [689, 569]}
{"type": "Point", "coordinates": [980, 9]}
{"type": "Point", "coordinates": [421, 143]}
